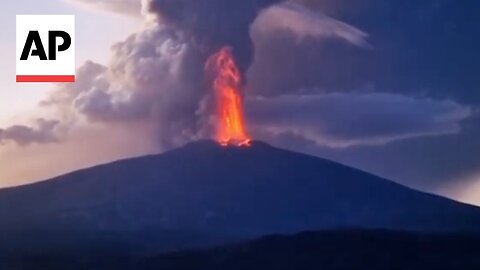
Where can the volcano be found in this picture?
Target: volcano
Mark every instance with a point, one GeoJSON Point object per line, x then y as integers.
{"type": "Point", "coordinates": [204, 193]}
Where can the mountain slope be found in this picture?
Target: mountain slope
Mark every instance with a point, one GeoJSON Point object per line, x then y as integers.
{"type": "Point", "coordinates": [203, 193]}
{"type": "Point", "coordinates": [326, 250]}
{"type": "Point", "coordinates": [331, 250]}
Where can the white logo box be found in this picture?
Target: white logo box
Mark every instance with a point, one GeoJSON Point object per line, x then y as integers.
{"type": "Point", "coordinates": [62, 69]}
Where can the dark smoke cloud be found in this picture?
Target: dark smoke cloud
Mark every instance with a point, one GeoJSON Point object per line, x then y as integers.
{"type": "Point", "coordinates": [213, 23]}
{"type": "Point", "coordinates": [44, 131]}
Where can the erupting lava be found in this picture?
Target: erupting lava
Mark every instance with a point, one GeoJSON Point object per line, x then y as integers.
{"type": "Point", "coordinates": [227, 85]}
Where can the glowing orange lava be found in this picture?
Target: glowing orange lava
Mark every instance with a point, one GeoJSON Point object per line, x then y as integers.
{"type": "Point", "coordinates": [227, 85]}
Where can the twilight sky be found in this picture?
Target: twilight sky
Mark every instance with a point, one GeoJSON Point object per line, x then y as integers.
{"type": "Point", "coordinates": [389, 87]}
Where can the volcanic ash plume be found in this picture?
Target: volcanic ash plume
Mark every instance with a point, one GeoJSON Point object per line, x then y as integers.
{"type": "Point", "coordinates": [157, 75]}
{"type": "Point", "coordinates": [220, 31]}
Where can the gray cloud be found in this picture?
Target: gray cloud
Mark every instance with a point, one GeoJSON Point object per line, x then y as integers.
{"type": "Point", "coordinates": [345, 120]}
{"type": "Point", "coordinates": [89, 76]}
{"type": "Point", "coordinates": [155, 75]}
{"type": "Point", "coordinates": [44, 131]}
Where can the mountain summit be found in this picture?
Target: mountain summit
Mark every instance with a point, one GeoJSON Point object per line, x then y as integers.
{"type": "Point", "coordinates": [206, 191]}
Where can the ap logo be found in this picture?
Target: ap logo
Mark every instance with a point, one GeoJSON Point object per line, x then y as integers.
{"type": "Point", "coordinates": [45, 48]}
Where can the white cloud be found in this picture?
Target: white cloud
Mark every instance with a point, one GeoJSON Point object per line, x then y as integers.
{"type": "Point", "coordinates": [127, 7]}
{"type": "Point", "coordinates": [303, 22]}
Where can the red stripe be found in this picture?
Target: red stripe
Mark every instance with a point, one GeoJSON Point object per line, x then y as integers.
{"type": "Point", "coordinates": [45, 78]}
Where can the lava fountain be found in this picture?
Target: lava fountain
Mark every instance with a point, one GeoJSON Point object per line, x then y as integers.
{"type": "Point", "coordinates": [227, 83]}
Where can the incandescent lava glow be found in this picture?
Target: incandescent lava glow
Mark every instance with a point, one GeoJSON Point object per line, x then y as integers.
{"type": "Point", "coordinates": [227, 83]}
